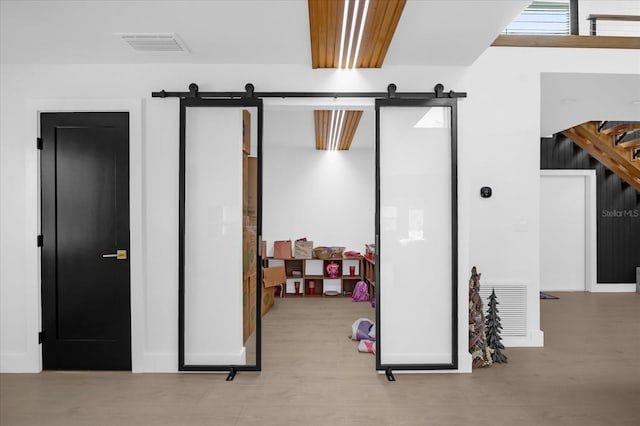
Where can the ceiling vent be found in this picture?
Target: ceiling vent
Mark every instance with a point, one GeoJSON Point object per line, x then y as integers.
{"type": "Point", "coordinates": [154, 42]}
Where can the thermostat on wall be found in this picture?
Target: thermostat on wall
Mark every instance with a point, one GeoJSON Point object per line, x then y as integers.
{"type": "Point", "coordinates": [485, 192]}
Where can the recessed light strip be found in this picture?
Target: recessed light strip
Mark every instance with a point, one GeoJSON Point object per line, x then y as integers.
{"type": "Point", "coordinates": [334, 126]}
{"type": "Point", "coordinates": [363, 20]}
{"type": "Point", "coordinates": [335, 130]}
{"type": "Point", "coordinates": [332, 129]}
{"type": "Point", "coordinates": [330, 138]}
{"type": "Point", "coordinates": [352, 28]}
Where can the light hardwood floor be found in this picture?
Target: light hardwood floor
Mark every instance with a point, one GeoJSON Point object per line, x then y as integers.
{"type": "Point", "coordinates": [587, 374]}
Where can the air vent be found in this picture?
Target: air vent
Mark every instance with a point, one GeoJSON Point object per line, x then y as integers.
{"type": "Point", "coordinates": [512, 306]}
{"type": "Point", "coordinates": [157, 42]}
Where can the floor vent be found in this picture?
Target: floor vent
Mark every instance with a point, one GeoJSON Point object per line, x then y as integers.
{"type": "Point", "coordinates": [156, 42]}
{"type": "Point", "coordinates": [512, 306]}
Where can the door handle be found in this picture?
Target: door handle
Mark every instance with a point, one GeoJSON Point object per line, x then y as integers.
{"type": "Point", "coordinates": [119, 254]}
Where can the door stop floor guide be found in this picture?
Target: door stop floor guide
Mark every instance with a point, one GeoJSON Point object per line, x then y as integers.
{"type": "Point", "coordinates": [232, 375]}
{"type": "Point", "coordinates": [389, 374]}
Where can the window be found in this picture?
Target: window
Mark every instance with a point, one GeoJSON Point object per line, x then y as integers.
{"type": "Point", "coordinates": [542, 18]}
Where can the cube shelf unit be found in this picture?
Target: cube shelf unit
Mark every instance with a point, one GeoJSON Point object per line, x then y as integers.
{"type": "Point", "coordinates": [369, 276]}
{"type": "Point", "coordinates": [313, 279]}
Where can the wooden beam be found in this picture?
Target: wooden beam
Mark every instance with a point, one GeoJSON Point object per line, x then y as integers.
{"type": "Point", "coordinates": [325, 29]}
{"type": "Point", "coordinates": [622, 128]}
{"type": "Point", "coordinates": [630, 144]}
{"type": "Point", "coordinates": [587, 137]}
{"type": "Point", "coordinates": [587, 42]}
{"type": "Point", "coordinates": [323, 122]}
{"type": "Point", "coordinates": [323, 128]}
{"type": "Point", "coordinates": [351, 121]}
{"type": "Point", "coordinates": [384, 16]}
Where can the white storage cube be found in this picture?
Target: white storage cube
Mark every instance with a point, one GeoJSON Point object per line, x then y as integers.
{"type": "Point", "coordinates": [330, 284]}
{"type": "Point", "coordinates": [313, 267]}
{"type": "Point", "coordinates": [291, 287]}
{"type": "Point", "coordinates": [346, 263]}
{"type": "Point", "coordinates": [275, 262]}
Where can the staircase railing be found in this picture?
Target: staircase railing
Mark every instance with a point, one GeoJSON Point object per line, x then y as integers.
{"type": "Point", "coordinates": [618, 18]}
{"type": "Point", "coordinates": [559, 24]}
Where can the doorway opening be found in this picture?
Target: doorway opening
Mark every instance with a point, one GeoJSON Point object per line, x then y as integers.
{"type": "Point", "coordinates": [328, 198]}
{"type": "Point", "coordinates": [568, 239]}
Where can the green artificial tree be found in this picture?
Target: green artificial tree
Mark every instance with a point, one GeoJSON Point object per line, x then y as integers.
{"type": "Point", "coordinates": [493, 328]}
{"type": "Point", "coordinates": [480, 354]}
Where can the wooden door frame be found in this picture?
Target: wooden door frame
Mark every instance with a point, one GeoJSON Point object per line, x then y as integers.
{"type": "Point", "coordinates": [33, 228]}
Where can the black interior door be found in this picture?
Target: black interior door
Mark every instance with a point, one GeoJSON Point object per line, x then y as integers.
{"type": "Point", "coordinates": [86, 314]}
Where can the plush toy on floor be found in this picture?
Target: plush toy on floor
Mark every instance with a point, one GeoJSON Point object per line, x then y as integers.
{"type": "Point", "coordinates": [367, 346]}
{"type": "Point", "coordinates": [364, 330]}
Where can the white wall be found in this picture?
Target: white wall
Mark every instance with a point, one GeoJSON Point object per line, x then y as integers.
{"type": "Point", "coordinates": [325, 196]}
{"type": "Point", "coordinates": [500, 132]}
{"type": "Point", "coordinates": [498, 146]}
{"type": "Point", "coordinates": [328, 197]}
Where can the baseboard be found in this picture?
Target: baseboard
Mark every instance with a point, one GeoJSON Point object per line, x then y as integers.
{"type": "Point", "coordinates": [151, 362]}
{"type": "Point", "coordinates": [614, 288]}
{"type": "Point", "coordinates": [158, 362]}
{"type": "Point", "coordinates": [19, 362]}
{"type": "Point", "coordinates": [465, 362]}
{"type": "Point", "coordinates": [536, 339]}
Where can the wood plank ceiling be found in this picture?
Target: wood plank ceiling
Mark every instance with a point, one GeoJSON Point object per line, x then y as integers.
{"type": "Point", "coordinates": [335, 128]}
{"type": "Point", "coordinates": [338, 38]}
{"type": "Point", "coordinates": [348, 34]}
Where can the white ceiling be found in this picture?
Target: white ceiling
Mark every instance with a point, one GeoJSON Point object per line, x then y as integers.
{"type": "Point", "coordinates": [430, 32]}
{"type": "Point", "coordinates": [569, 99]}
{"type": "Point", "coordinates": [240, 32]}
{"type": "Point", "coordinates": [233, 31]}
